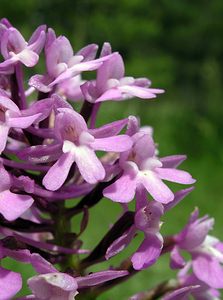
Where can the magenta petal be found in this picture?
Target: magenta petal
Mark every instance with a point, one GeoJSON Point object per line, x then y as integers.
{"type": "Point", "coordinates": [209, 270]}
{"type": "Point", "coordinates": [40, 153]}
{"type": "Point", "coordinates": [144, 146]}
{"type": "Point", "coordinates": [120, 244]}
{"type": "Point", "coordinates": [53, 286]}
{"type": "Point", "coordinates": [119, 143]}
{"type": "Point", "coordinates": [174, 175]}
{"type": "Point", "coordinates": [41, 265]}
{"type": "Point", "coordinates": [108, 130]}
{"type": "Point", "coordinates": [106, 49]}
{"type": "Point", "coordinates": [141, 92]}
{"type": "Point", "coordinates": [133, 125]}
{"type": "Point", "coordinates": [176, 260]}
{"type": "Point", "coordinates": [40, 82]}
{"type": "Point", "coordinates": [158, 190]}
{"type": "Point", "coordinates": [112, 68]}
{"type": "Point", "coordinates": [180, 294]}
{"type": "Point", "coordinates": [88, 164]}
{"type": "Point", "coordinates": [37, 40]}
{"type": "Point", "coordinates": [88, 52]}
{"type": "Point", "coordinates": [28, 57]}
{"type": "Point", "coordinates": [148, 252]}
{"type": "Point", "coordinates": [10, 284]}
{"type": "Point", "coordinates": [112, 94]}
{"type": "Point", "coordinates": [178, 196]}
{"type": "Point", "coordinates": [4, 135]}
{"type": "Point", "coordinates": [57, 174]}
{"type": "Point", "coordinates": [68, 118]}
{"type": "Point", "coordinates": [99, 277]}
{"type": "Point", "coordinates": [8, 62]}
{"type": "Point", "coordinates": [122, 190]}
{"type": "Point", "coordinates": [172, 161]}
{"type": "Point", "coordinates": [21, 121]}
{"type": "Point", "coordinates": [5, 179]}
{"type": "Point", "coordinates": [7, 103]}
{"type": "Point", "coordinates": [13, 205]}
{"type": "Point", "coordinates": [196, 234]}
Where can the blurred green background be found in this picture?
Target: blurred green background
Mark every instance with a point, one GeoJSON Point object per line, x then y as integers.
{"type": "Point", "coordinates": [179, 46]}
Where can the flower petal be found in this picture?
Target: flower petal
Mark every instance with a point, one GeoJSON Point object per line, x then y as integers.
{"type": "Point", "coordinates": [20, 121]}
{"type": "Point", "coordinates": [209, 270]}
{"type": "Point", "coordinates": [119, 143]}
{"type": "Point", "coordinates": [108, 130]}
{"type": "Point", "coordinates": [57, 174]}
{"type": "Point", "coordinates": [174, 175]}
{"type": "Point", "coordinates": [88, 52]}
{"type": "Point", "coordinates": [28, 57]}
{"type": "Point", "coordinates": [4, 135]}
{"type": "Point", "coordinates": [141, 92]}
{"type": "Point", "coordinates": [172, 161]}
{"type": "Point", "coordinates": [148, 252]}
{"type": "Point", "coordinates": [121, 243]}
{"type": "Point", "coordinates": [40, 82]}
{"type": "Point", "coordinates": [113, 68]}
{"type": "Point", "coordinates": [111, 94]}
{"type": "Point", "coordinates": [10, 284]}
{"type": "Point", "coordinates": [53, 286]}
{"type": "Point", "coordinates": [180, 294]}
{"type": "Point", "coordinates": [99, 277]}
{"type": "Point", "coordinates": [158, 190]}
{"type": "Point", "coordinates": [176, 260]}
{"type": "Point", "coordinates": [13, 205]}
{"type": "Point", "coordinates": [123, 189]}
{"type": "Point", "coordinates": [88, 164]}
{"type": "Point", "coordinates": [178, 196]}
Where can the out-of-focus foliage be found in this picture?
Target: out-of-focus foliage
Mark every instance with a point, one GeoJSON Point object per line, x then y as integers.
{"type": "Point", "coordinates": [177, 44]}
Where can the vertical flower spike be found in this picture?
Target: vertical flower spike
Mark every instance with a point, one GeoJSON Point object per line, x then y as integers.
{"type": "Point", "coordinates": [50, 153]}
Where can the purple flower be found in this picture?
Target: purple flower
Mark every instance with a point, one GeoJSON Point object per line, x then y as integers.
{"type": "Point", "coordinates": [62, 64]}
{"type": "Point", "coordinates": [111, 84]}
{"type": "Point", "coordinates": [205, 250]}
{"type": "Point", "coordinates": [79, 145]}
{"type": "Point", "coordinates": [189, 284]}
{"type": "Point", "coordinates": [203, 291]}
{"type": "Point", "coordinates": [12, 117]}
{"type": "Point", "coordinates": [142, 169]}
{"type": "Point", "coordinates": [15, 49]}
{"type": "Point", "coordinates": [147, 220]}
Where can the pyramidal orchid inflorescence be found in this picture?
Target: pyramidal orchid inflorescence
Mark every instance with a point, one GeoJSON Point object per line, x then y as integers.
{"type": "Point", "coordinates": [51, 152]}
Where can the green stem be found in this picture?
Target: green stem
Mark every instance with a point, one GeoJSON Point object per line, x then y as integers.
{"type": "Point", "coordinates": [62, 237]}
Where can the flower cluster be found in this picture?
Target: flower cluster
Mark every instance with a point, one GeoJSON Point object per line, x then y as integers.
{"type": "Point", "coordinates": [49, 153]}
